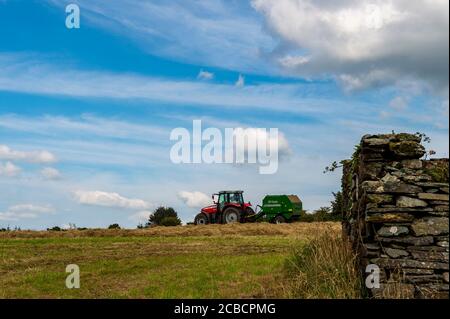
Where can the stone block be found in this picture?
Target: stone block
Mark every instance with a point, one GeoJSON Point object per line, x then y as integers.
{"type": "Point", "coordinates": [391, 231]}
{"type": "Point", "coordinates": [430, 226]}
{"type": "Point", "coordinates": [390, 218]}
{"type": "Point", "coordinates": [409, 263]}
{"type": "Point", "coordinates": [430, 255]}
{"type": "Point", "coordinates": [396, 253]}
{"type": "Point", "coordinates": [412, 164]}
{"type": "Point", "coordinates": [408, 240]}
{"type": "Point", "coordinates": [429, 196]}
{"type": "Point", "coordinates": [405, 201]}
{"type": "Point", "coordinates": [406, 150]}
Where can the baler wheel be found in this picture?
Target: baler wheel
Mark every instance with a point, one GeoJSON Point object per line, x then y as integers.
{"type": "Point", "coordinates": [201, 219]}
{"type": "Point", "coordinates": [279, 219]}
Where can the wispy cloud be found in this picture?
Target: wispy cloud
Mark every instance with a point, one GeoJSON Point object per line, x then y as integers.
{"type": "Point", "coordinates": [221, 33]}
{"type": "Point", "coordinates": [82, 126]}
{"type": "Point", "coordinates": [205, 75]}
{"type": "Point", "coordinates": [40, 157]}
{"type": "Point", "coordinates": [21, 211]}
{"type": "Point", "coordinates": [106, 199]}
{"type": "Point", "coordinates": [195, 199]}
{"type": "Point", "coordinates": [9, 169]}
{"type": "Point", "coordinates": [399, 103]}
{"type": "Point", "coordinates": [141, 216]}
{"type": "Point", "coordinates": [50, 173]}
{"type": "Point", "coordinates": [90, 140]}
{"type": "Point", "coordinates": [38, 77]}
{"type": "Point", "coordinates": [31, 208]}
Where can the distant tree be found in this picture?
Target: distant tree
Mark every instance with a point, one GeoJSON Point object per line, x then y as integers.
{"type": "Point", "coordinates": [323, 214]}
{"type": "Point", "coordinates": [170, 221]}
{"type": "Point", "coordinates": [114, 226]}
{"type": "Point", "coordinates": [55, 228]}
{"type": "Point", "coordinates": [140, 226]}
{"type": "Point", "coordinates": [306, 217]}
{"type": "Point", "coordinates": [337, 205]}
{"type": "Point", "coordinates": [160, 213]}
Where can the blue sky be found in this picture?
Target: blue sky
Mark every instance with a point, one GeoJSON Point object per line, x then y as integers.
{"type": "Point", "coordinates": [86, 114]}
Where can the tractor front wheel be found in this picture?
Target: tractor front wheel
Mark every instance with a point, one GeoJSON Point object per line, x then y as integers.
{"type": "Point", "coordinates": [201, 219]}
{"type": "Point", "coordinates": [231, 215]}
{"type": "Point", "coordinates": [279, 219]}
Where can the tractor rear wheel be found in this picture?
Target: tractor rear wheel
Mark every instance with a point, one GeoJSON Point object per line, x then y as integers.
{"type": "Point", "coordinates": [279, 219]}
{"type": "Point", "coordinates": [231, 215]}
{"type": "Point", "coordinates": [201, 219]}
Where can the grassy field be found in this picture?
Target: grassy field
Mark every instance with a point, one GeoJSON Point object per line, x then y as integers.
{"type": "Point", "coordinates": [213, 261]}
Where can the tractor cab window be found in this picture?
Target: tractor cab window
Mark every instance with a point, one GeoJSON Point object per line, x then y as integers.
{"type": "Point", "coordinates": [236, 198]}
{"type": "Point", "coordinates": [222, 199]}
{"type": "Point", "coordinates": [221, 202]}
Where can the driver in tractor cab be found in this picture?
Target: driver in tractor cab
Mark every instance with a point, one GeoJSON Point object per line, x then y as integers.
{"type": "Point", "coordinates": [236, 198]}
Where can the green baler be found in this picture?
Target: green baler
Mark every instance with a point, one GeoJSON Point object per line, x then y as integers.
{"type": "Point", "coordinates": [279, 209]}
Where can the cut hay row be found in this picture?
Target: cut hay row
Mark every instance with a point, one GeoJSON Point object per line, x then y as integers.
{"type": "Point", "coordinates": [305, 230]}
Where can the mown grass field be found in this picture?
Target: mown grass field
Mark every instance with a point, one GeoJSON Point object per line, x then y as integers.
{"type": "Point", "coordinates": [213, 261]}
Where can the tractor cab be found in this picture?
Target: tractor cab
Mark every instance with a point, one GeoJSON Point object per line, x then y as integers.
{"type": "Point", "coordinates": [228, 197]}
{"type": "Point", "coordinates": [229, 207]}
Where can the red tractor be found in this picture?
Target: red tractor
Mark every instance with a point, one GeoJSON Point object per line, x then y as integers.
{"type": "Point", "coordinates": [229, 207]}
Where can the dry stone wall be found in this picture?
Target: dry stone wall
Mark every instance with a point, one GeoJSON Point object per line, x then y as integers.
{"type": "Point", "coordinates": [396, 215]}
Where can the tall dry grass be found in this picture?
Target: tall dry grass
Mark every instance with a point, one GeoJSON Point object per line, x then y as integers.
{"type": "Point", "coordinates": [304, 230]}
{"type": "Point", "coordinates": [326, 267]}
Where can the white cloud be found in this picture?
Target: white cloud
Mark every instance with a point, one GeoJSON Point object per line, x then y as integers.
{"type": "Point", "coordinates": [363, 42]}
{"type": "Point", "coordinates": [10, 216]}
{"type": "Point", "coordinates": [25, 211]}
{"type": "Point", "coordinates": [99, 198]}
{"type": "Point", "coordinates": [205, 75]}
{"type": "Point", "coordinates": [294, 61]}
{"type": "Point", "coordinates": [399, 103]}
{"type": "Point", "coordinates": [40, 157]}
{"type": "Point", "coordinates": [240, 81]}
{"type": "Point", "coordinates": [50, 173]}
{"type": "Point", "coordinates": [384, 114]}
{"type": "Point", "coordinates": [195, 199]}
{"type": "Point", "coordinates": [9, 169]}
{"type": "Point", "coordinates": [141, 216]}
{"type": "Point", "coordinates": [30, 208]}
